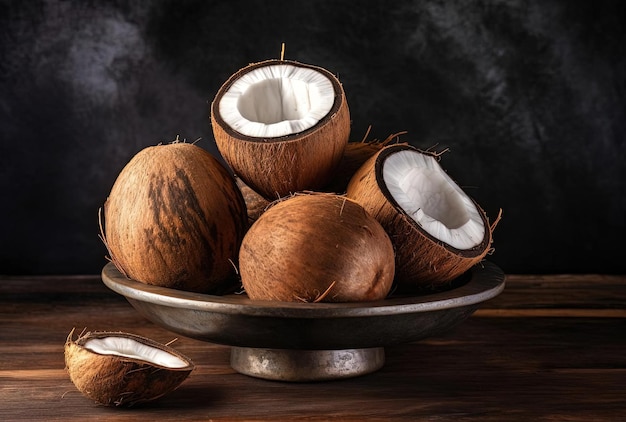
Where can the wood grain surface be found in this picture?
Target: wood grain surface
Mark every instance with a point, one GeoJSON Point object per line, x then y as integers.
{"type": "Point", "coordinates": [549, 348]}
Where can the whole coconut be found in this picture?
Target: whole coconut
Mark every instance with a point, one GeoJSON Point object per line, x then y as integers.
{"type": "Point", "coordinates": [316, 247]}
{"type": "Point", "coordinates": [175, 218]}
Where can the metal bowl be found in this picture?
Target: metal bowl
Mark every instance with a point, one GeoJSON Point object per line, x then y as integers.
{"type": "Point", "coordinates": [308, 341]}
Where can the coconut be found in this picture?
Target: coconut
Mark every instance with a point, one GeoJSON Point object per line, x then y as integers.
{"type": "Point", "coordinates": [316, 247]}
{"type": "Point", "coordinates": [281, 126]}
{"type": "Point", "coordinates": [255, 203]}
{"type": "Point", "coordinates": [437, 230]}
{"type": "Point", "coordinates": [175, 218]}
{"type": "Point", "coordinates": [354, 156]}
{"type": "Point", "coordinates": [122, 369]}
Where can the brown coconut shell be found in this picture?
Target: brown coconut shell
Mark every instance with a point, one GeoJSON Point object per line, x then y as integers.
{"type": "Point", "coordinates": [255, 203]}
{"type": "Point", "coordinates": [422, 261]}
{"type": "Point", "coordinates": [316, 247]}
{"type": "Point", "coordinates": [354, 156]}
{"type": "Point", "coordinates": [175, 218]}
{"type": "Point", "coordinates": [277, 167]}
{"type": "Point", "coordinates": [114, 380]}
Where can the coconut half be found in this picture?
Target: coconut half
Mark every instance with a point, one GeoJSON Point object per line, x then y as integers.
{"type": "Point", "coordinates": [438, 231]}
{"type": "Point", "coordinates": [281, 126]}
{"type": "Point", "coordinates": [122, 369]}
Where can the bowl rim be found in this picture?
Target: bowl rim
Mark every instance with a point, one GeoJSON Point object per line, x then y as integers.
{"type": "Point", "coordinates": [486, 280]}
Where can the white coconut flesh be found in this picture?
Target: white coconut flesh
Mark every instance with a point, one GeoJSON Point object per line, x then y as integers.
{"type": "Point", "coordinates": [130, 348]}
{"type": "Point", "coordinates": [432, 199]}
{"type": "Point", "coordinates": [277, 100]}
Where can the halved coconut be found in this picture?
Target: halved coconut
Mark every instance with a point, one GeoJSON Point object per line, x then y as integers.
{"type": "Point", "coordinates": [122, 369]}
{"type": "Point", "coordinates": [281, 126]}
{"type": "Point", "coordinates": [437, 230]}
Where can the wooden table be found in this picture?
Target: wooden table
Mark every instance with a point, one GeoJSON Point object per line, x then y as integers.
{"type": "Point", "coordinates": [548, 348]}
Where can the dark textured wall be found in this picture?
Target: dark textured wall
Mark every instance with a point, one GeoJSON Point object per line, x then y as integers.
{"type": "Point", "coordinates": [528, 95]}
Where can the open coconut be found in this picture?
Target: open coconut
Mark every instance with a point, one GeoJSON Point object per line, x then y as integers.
{"type": "Point", "coordinates": [122, 369]}
{"type": "Point", "coordinates": [281, 126]}
{"type": "Point", "coordinates": [437, 230]}
{"type": "Point", "coordinates": [316, 247]}
{"type": "Point", "coordinates": [175, 218]}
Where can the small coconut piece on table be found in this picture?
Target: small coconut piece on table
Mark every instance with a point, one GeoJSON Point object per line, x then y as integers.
{"type": "Point", "coordinates": [316, 247]}
{"type": "Point", "coordinates": [437, 230]}
{"type": "Point", "coordinates": [123, 369]}
{"type": "Point", "coordinates": [281, 125]}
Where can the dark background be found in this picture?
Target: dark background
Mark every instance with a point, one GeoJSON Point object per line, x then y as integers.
{"type": "Point", "coordinates": [528, 95]}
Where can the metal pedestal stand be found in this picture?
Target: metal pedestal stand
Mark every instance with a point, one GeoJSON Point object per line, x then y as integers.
{"type": "Point", "coordinates": [306, 365]}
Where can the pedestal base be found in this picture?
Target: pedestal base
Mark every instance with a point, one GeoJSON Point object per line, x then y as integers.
{"type": "Point", "coordinates": [306, 365]}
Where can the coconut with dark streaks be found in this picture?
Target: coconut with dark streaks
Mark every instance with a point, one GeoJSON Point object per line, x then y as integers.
{"type": "Point", "coordinates": [175, 218]}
